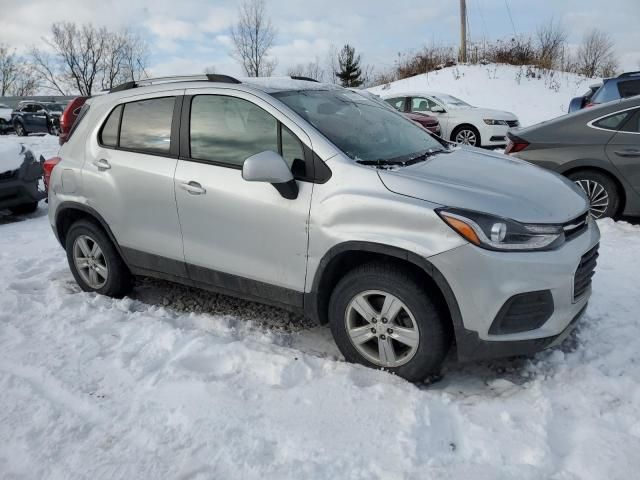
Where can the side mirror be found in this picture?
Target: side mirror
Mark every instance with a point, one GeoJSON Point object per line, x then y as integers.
{"type": "Point", "coordinates": [437, 109]}
{"type": "Point", "coordinates": [270, 167]}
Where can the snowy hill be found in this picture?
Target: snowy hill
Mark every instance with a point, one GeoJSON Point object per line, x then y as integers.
{"type": "Point", "coordinates": [503, 87]}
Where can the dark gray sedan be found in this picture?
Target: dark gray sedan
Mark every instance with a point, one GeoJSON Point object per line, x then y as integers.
{"type": "Point", "coordinates": [598, 148]}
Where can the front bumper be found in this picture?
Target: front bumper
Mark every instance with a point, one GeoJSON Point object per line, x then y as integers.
{"type": "Point", "coordinates": [482, 281]}
{"type": "Point", "coordinates": [494, 135]}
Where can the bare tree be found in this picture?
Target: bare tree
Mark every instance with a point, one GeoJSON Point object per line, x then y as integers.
{"type": "Point", "coordinates": [551, 38]}
{"type": "Point", "coordinates": [596, 57]}
{"type": "Point", "coordinates": [311, 70]}
{"type": "Point", "coordinates": [125, 58]}
{"type": "Point", "coordinates": [8, 69]}
{"type": "Point", "coordinates": [253, 37]}
{"type": "Point", "coordinates": [26, 82]}
{"type": "Point", "coordinates": [78, 59]}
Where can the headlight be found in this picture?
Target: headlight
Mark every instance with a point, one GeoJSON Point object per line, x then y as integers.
{"type": "Point", "coordinates": [496, 233]}
{"type": "Point", "coordinates": [490, 121]}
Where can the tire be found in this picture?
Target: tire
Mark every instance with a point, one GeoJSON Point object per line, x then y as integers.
{"type": "Point", "coordinates": [118, 281]}
{"type": "Point", "coordinates": [24, 208]}
{"type": "Point", "coordinates": [20, 130]}
{"type": "Point", "coordinates": [370, 281]}
{"type": "Point", "coordinates": [601, 189]}
{"type": "Point", "coordinates": [469, 132]}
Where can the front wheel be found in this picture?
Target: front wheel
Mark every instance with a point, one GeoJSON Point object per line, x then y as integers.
{"type": "Point", "coordinates": [20, 130]}
{"type": "Point", "coordinates": [94, 261]}
{"type": "Point", "coordinates": [466, 135]}
{"type": "Point", "coordinates": [601, 191]}
{"type": "Point", "coordinates": [382, 317]}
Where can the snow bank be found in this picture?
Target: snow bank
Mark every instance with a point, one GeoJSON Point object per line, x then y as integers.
{"type": "Point", "coordinates": [503, 87]}
{"type": "Point", "coordinates": [140, 388]}
{"type": "Point", "coordinates": [45, 145]}
{"type": "Point", "coordinates": [10, 156]}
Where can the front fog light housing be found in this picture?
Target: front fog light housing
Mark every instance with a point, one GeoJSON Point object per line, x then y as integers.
{"type": "Point", "coordinates": [496, 233]}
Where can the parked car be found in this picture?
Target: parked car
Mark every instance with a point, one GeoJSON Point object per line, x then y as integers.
{"type": "Point", "coordinates": [5, 119]}
{"type": "Point", "coordinates": [36, 117]}
{"type": "Point", "coordinates": [69, 116]}
{"type": "Point", "coordinates": [598, 148]}
{"type": "Point", "coordinates": [429, 122]}
{"type": "Point", "coordinates": [20, 175]}
{"type": "Point", "coordinates": [578, 103]}
{"type": "Point", "coordinates": [459, 121]}
{"type": "Point", "coordinates": [624, 85]}
{"type": "Point", "coordinates": [311, 197]}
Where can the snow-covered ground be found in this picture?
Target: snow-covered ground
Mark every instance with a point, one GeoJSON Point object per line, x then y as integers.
{"type": "Point", "coordinates": [175, 382]}
{"type": "Point", "coordinates": [503, 87]}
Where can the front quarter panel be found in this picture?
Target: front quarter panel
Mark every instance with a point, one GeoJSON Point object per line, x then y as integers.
{"type": "Point", "coordinates": [355, 206]}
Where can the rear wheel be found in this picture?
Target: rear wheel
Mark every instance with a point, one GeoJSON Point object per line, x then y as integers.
{"type": "Point", "coordinates": [381, 316]}
{"type": "Point", "coordinates": [601, 190]}
{"type": "Point", "coordinates": [94, 261]}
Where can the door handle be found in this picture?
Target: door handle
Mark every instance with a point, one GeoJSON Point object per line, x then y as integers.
{"type": "Point", "coordinates": [628, 153]}
{"type": "Point", "coordinates": [102, 164]}
{"type": "Point", "coordinates": [194, 188]}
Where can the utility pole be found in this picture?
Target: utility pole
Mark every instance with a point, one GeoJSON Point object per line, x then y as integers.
{"type": "Point", "coordinates": [463, 31]}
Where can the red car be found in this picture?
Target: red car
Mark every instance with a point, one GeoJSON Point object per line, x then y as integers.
{"type": "Point", "coordinates": [427, 121]}
{"type": "Point", "coordinates": [69, 116]}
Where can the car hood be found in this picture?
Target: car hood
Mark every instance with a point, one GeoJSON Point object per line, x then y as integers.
{"type": "Point", "coordinates": [489, 113]}
{"type": "Point", "coordinates": [488, 182]}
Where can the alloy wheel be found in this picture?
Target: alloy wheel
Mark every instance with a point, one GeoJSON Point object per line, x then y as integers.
{"type": "Point", "coordinates": [466, 137]}
{"type": "Point", "coordinates": [382, 328]}
{"type": "Point", "coordinates": [598, 196]}
{"type": "Point", "coordinates": [90, 262]}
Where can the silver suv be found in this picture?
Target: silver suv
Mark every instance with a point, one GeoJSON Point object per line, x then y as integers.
{"type": "Point", "coordinates": [325, 201]}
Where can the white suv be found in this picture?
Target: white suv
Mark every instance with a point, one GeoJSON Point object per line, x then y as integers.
{"type": "Point", "coordinates": [321, 200]}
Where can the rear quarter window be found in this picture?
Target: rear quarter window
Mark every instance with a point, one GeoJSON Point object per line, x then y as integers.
{"type": "Point", "coordinates": [629, 88]}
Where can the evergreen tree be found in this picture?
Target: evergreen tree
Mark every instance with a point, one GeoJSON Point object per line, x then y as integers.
{"type": "Point", "coordinates": [350, 73]}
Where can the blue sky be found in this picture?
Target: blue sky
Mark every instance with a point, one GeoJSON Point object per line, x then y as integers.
{"type": "Point", "coordinates": [190, 35]}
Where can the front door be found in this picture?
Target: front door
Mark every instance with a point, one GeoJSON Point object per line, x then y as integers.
{"type": "Point", "coordinates": [243, 236]}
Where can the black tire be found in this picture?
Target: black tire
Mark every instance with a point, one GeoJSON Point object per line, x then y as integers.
{"type": "Point", "coordinates": [434, 334]}
{"type": "Point", "coordinates": [24, 208]}
{"type": "Point", "coordinates": [20, 130]}
{"type": "Point", "coordinates": [591, 180]}
{"type": "Point", "coordinates": [119, 280]}
{"type": "Point", "coordinates": [469, 128]}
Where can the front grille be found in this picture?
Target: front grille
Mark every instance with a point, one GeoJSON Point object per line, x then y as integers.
{"type": "Point", "coordinates": [8, 175]}
{"type": "Point", "coordinates": [513, 123]}
{"type": "Point", "coordinates": [575, 227]}
{"type": "Point", "coordinates": [584, 273]}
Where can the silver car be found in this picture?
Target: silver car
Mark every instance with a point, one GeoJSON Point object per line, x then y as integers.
{"type": "Point", "coordinates": [318, 199]}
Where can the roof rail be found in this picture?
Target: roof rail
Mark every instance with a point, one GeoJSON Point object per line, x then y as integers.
{"type": "Point", "coordinates": [208, 77]}
{"type": "Point", "coordinates": [628, 74]}
{"type": "Point", "coordinates": [306, 79]}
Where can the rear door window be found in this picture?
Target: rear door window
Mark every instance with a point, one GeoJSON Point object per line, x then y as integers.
{"type": "Point", "coordinates": [629, 88]}
{"type": "Point", "coordinates": [633, 124]}
{"type": "Point", "coordinates": [612, 122]}
{"type": "Point", "coordinates": [146, 125]}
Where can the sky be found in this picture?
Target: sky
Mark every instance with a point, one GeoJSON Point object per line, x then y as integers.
{"type": "Point", "coordinates": [187, 36]}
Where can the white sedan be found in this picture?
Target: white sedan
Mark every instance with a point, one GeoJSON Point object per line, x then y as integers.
{"type": "Point", "coordinates": [459, 121]}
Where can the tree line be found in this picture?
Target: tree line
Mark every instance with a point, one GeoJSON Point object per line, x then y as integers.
{"type": "Point", "coordinates": [83, 59]}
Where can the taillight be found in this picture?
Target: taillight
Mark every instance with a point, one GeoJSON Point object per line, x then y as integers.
{"type": "Point", "coordinates": [48, 167]}
{"type": "Point", "coordinates": [515, 146]}
{"type": "Point", "coordinates": [589, 105]}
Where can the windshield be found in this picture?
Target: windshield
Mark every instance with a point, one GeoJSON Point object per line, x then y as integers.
{"type": "Point", "coordinates": [53, 107]}
{"type": "Point", "coordinates": [363, 128]}
{"type": "Point", "coordinates": [451, 101]}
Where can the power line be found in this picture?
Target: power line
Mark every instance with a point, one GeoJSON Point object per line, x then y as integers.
{"type": "Point", "coordinates": [510, 18]}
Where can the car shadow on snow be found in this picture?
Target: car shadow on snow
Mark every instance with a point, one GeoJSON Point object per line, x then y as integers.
{"type": "Point", "coordinates": [6, 217]}
{"type": "Point", "coordinates": [288, 329]}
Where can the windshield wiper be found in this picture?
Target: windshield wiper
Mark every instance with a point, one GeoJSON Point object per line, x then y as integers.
{"type": "Point", "coordinates": [381, 162]}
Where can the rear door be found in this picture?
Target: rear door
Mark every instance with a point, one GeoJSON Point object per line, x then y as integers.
{"type": "Point", "coordinates": [242, 235]}
{"type": "Point", "coordinates": [128, 178]}
{"type": "Point", "coordinates": [38, 119]}
{"type": "Point", "coordinates": [624, 149]}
